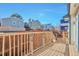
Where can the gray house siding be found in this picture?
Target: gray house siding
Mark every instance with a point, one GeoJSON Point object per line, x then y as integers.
{"type": "Point", "coordinates": [35, 24]}
{"type": "Point", "coordinates": [12, 24]}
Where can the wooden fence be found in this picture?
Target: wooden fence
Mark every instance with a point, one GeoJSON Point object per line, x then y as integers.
{"type": "Point", "coordinates": [23, 43]}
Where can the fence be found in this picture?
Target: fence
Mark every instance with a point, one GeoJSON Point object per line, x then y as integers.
{"type": "Point", "coordinates": [23, 43]}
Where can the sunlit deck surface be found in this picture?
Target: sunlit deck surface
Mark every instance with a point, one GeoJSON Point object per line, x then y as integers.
{"type": "Point", "coordinates": [59, 48]}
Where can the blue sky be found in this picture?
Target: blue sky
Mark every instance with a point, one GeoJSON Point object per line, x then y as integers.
{"type": "Point", "coordinates": [44, 12]}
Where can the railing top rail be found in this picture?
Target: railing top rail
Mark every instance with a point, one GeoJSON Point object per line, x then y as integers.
{"type": "Point", "coordinates": [20, 33]}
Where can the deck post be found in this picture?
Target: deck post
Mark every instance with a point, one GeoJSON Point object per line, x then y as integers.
{"type": "Point", "coordinates": [9, 45]}
{"type": "Point", "coordinates": [18, 45]}
{"type": "Point", "coordinates": [14, 44]}
{"type": "Point", "coordinates": [31, 44]}
{"type": "Point", "coordinates": [3, 46]}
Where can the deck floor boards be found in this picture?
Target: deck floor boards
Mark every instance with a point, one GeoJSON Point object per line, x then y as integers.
{"type": "Point", "coordinates": [58, 49]}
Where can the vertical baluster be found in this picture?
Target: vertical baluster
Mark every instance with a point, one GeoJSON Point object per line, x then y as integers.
{"type": "Point", "coordinates": [18, 45]}
{"type": "Point", "coordinates": [51, 37]}
{"type": "Point", "coordinates": [54, 38]}
{"type": "Point", "coordinates": [21, 45]}
{"type": "Point", "coordinates": [24, 44]}
{"type": "Point", "coordinates": [43, 39]}
{"type": "Point", "coordinates": [31, 44]}
{"type": "Point", "coordinates": [27, 43]}
{"type": "Point", "coordinates": [9, 45]}
{"type": "Point", "coordinates": [3, 46]}
{"type": "Point", "coordinates": [14, 44]}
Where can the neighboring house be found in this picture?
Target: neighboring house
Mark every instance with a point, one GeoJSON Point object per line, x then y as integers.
{"type": "Point", "coordinates": [13, 23]}
{"type": "Point", "coordinates": [47, 27]}
{"type": "Point", "coordinates": [74, 24]}
{"type": "Point", "coordinates": [34, 24]}
{"type": "Point", "coordinates": [64, 26]}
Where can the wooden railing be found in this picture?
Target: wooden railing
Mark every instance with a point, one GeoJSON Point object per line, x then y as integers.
{"type": "Point", "coordinates": [65, 35]}
{"type": "Point", "coordinates": [23, 43]}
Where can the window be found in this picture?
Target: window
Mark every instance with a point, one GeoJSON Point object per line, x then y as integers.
{"type": "Point", "coordinates": [14, 23]}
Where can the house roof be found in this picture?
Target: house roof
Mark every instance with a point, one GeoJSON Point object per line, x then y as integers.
{"type": "Point", "coordinates": [16, 15]}
{"type": "Point", "coordinates": [67, 15]}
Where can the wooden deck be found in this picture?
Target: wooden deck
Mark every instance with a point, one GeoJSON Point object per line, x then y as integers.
{"type": "Point", "coordinates": [60, 48]}
{"type": "Point", "coordinates": [22, 43]}
{"type": "Point", "coordinates": [55, 49]}
{"type": "Point", "coordinates": [33, 44]}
